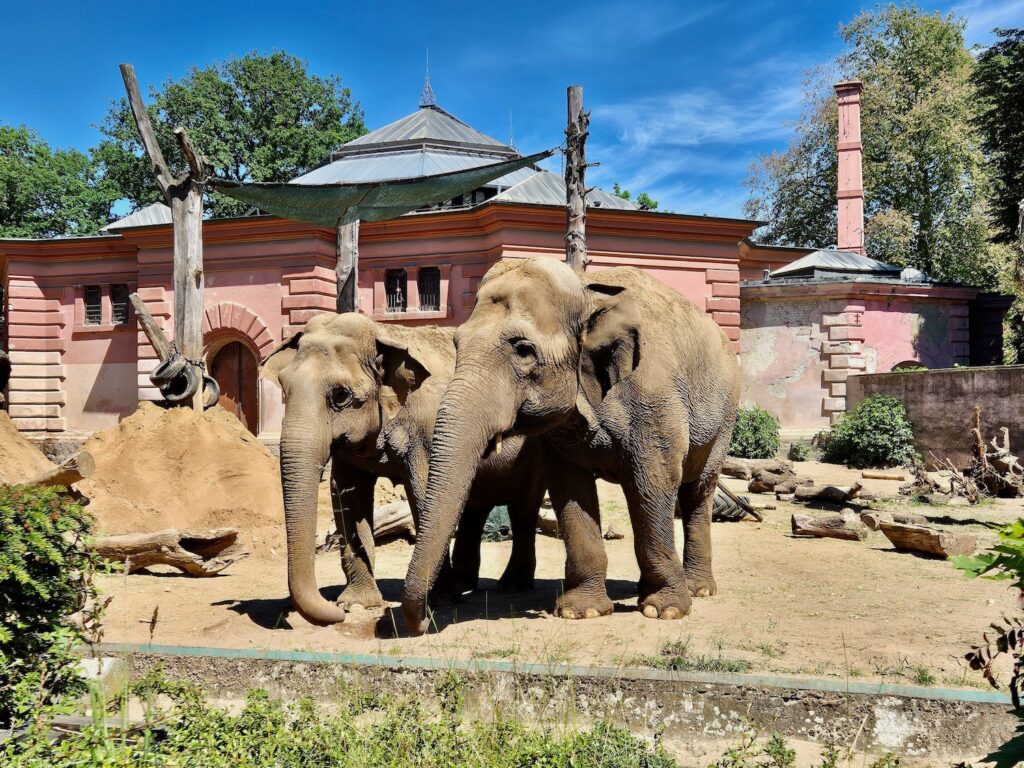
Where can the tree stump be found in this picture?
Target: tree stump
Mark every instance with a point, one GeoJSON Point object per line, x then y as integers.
{"type": "Point", "coordinates": [195, 553]}
{"type": "Point", "coordinates": [68, 472]}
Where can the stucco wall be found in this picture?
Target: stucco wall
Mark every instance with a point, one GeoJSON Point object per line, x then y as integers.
{"type": "Point", "coordinates": [799, 343]}
{"type": "Point", "coordinates": [941, 404]}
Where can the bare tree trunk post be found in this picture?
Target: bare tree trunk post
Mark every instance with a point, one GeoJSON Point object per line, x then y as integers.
{"type": "Point", "coordinates": [576, 131]}
{"type": "Point", "coordinates": [347, 269]}
{"type": "Point", "coordinates": [184, 195]}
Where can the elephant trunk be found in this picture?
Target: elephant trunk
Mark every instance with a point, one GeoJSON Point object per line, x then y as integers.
{"type": "Point", "coordinates": [464, 429]}
{"type": "Point", "coordinates": [304, 452]}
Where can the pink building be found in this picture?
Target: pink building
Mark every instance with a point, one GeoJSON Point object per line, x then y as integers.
{"type": "Point", "coordinates": [79, 361]}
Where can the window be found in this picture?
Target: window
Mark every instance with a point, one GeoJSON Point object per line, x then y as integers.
{"type": "Point", "coordinates": [429, 280]}
{"type": "Point", "coordinates": [119, 304]}
{"type": "Point", "coordinates": [395, 287]}
{"type": "Point", "coordinates": [93, 305]}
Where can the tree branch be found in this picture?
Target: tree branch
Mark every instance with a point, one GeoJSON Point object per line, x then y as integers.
{"type": "Point", "coordinates": [147, 135]}
{"type": "Point", "coordinates": [196, 162]}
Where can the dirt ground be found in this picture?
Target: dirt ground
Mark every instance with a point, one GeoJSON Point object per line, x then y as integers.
{"type": "Point", "coordinates": [815, 607]}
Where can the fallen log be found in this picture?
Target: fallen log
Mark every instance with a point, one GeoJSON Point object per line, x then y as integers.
{"type": "Point", "coordinates": [833, 494]}
{"type": "Point", "coordinates": [390, 521]}
{"type": "Point", "coordinates": [196, 553]}
{"type": "Point", "coordinates": [766, 481]}
{"type": "Point", "coordinates": [929, 541]}
{"type": "Point", "coordinates": [828, 527]}
{"type": "Point", "coordinates": [875, 474]}
{"type": "Point", "coordinates": [68, 472]}
{"type": "Point", "coordinates": [744, 469]}
{"type": "Point", "coordinates": [873, 519]}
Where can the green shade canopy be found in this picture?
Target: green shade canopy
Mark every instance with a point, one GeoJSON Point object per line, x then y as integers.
{"type": "Point", "coordinates": [330, 205]}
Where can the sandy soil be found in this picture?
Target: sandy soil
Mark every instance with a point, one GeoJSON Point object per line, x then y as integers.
{"type": "Point", "coordinates": [800, 606]}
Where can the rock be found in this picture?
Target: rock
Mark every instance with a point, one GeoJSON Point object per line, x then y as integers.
{"type": "Point", "coordinates": [613, 534]}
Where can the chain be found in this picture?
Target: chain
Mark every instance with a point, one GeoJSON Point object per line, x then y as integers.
{"type": "Point", "coordinates": [201, 365]}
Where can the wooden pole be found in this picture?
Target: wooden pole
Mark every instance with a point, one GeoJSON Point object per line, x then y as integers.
{"type": "Point", "coordinates": [153, 332]}
{"type": "Point", "coordinates": [347, 269]}
{"type": "Point", "coordinates": [184, 194]}
{"type": "Point", "coordinates": [575, 187]}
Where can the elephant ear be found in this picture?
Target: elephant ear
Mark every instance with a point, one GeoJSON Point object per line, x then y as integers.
{"type": "Point", "coordinates": [280, 358]}
{"type": "Point", "coordinates": [401, 371]}
{"type": "Point", "coordinates": [611, 341]}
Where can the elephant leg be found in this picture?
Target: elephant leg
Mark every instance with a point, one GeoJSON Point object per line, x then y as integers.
{"type": "Point", "coordinates": [696, 502]}
{"type": "Point", "coordinates": [445, 588]}
{"type": "Point", "coordinates": [522, 563]}
{"type": "Point", "coordinates": [466, 550]}
{"type": "Point", "coordinates": [662, 587]}
{"type": "Point", "coordinates": [574, 497]}
{"type": "Point", "coordinates": [352, 497]}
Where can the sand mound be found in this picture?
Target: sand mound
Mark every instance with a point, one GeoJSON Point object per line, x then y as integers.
{"type": "Point", "coordinates": [19, 459]}
{"type": "Point", "coordinates": [177, 468]}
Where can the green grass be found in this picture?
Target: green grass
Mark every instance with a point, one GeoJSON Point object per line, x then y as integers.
{"type": "Point", "coordinates": [676, 656]}
{"type": "Point", "coordinates": [496, 653]}
{"type": "Point", "coordinates": [921, 675]}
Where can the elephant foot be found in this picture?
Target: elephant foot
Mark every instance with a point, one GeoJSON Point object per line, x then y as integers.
{"type": "Point", "coordinates": [465, 583]}
{"type": "Point", "coordinates": [515, 583]}
{"type": "Point", "coordinates": [666, 603]}
{"type": "Point", "coordinates": [365, 596]}
{"type": "Point", "coordinates": [702, 587]}
{"type": "Point", "coordinates": [577, 604]}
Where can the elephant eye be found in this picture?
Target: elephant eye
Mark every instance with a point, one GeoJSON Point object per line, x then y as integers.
{"type": "Point", "coordinates": [339, 398]}
{"type": "Point", "coordinates": [524, 349]}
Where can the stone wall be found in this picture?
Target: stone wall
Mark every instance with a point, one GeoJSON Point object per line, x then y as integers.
{"type": "Point", "coordinates": [941, 404]}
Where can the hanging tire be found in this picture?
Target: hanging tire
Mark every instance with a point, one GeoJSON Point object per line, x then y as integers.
{"type": "Point", "coordinates": [212, 390]}
{"type": "Point", "coordinates": [168, 370]}
{"type": "Point", "coordinates": [181, 388]}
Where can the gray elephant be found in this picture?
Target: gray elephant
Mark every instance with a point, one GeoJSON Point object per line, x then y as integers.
{"type": "Point", "coordinates": [625, 380]}
{"type": "Point", "coordinates": [366, 395]}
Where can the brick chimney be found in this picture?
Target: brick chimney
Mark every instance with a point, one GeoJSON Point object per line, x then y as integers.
{"type": "Point", "coordinates": [850, 192]}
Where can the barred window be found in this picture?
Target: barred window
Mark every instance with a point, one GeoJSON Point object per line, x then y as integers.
{"type": "Point", "coordinates": [119, 304]}
{"type": "Point", "coordinates": [395, 287]}
{"type": "Point", "coordinates": [93, 305]}
{"type": "Point", "coordinates": [429, 282]}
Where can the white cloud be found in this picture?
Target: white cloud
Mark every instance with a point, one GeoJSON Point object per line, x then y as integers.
{"type": "Point", "coordinates": [984, 15]}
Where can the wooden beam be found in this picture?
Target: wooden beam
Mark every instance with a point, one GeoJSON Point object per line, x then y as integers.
{"type": "Point", "coordinates": [68, 472]}
{"type": "Point", "coordinates": [153, 332]}
{"type": "Point", "coordinates": [347, 267]}
{"type": "Point", "coordinates": [928, 541]}
{"type": "Point", "coordinates": [575, 187]}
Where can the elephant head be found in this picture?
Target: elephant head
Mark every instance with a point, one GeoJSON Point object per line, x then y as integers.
{"type": "Point", "coordinates": [343, 377]}
{"type": "Point", "coordinates": [541, 347]}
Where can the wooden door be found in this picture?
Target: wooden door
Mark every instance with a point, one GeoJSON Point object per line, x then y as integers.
{"type": "Point", "coordinates": [236, 371]}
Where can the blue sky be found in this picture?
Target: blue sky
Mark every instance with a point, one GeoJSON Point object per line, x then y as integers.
{"type": "Point", "coordinates": [684, 95]}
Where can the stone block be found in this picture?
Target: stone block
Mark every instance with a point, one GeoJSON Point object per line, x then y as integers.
{"type": "Point", "coordinates": [722, 304]}
{"type": "Point", "coordinates": [25, 397]}
{"type": "Point", "coordinates": [827, 321]}
{"type": "Point", "coordinates": [35, 345]}
{"type": "Point", "coordinates": [19, 357]}
{"type": "Point", "coordinates": [837, 389]}
{"type": "Point", "coordinates": [33, 411]}
{"type": "Point", "coordinates": [732, 333]}
{"type": "Point", "coordinates": [726, 290]}
{"type": "Point", "coordinates": [23, 317]}
{"type": "Point", "coordinates": [841, 347]}
{"type": "Point", "coordinates": [304, 286]}
{"type": "Point", "coordinates": [29, 424]}
{"type": "Point", "coordinates": [846, 361]}
{"type": "Point", "coordinates": [834, 404]}
{"type": "Point", "coordinates": [309, 301]}
{"type": "Point", "coordinates": [302, 316]}
{"type": "Point", "coordinates": [845, 333]}
{"type": "Point", "coordinates": [152, 293]}
{"type": "Point", "coordinates": [41, 331]}
{"type": "Point", "coordinates": [35, 385]}
{"type": "Point", "coordinates": [830, 377]}
{"type": "Point", "coordinates": [723, 276]}
{"type": "Point", "coordinates": [726, 318]}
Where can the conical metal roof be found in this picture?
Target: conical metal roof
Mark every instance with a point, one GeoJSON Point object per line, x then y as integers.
{"type": "Point", "coordinates": [830, 260]}
{"type": "Point", "coordinates": [157, 213]}
{"type": "Point", "coordinates": [427, 125]}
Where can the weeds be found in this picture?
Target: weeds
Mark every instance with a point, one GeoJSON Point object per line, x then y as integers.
{"type": "Point", "coordinates": [496, 653]}
{"type": "Point", "coordinates": [676, 656]}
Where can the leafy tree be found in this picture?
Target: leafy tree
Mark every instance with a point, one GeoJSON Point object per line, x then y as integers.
{"type": "Point", "coordinates": [999, 78]}
{"type": "Point", "coordinates": [255, 118]}
{"type": "Point", "coordinates": [925, 178]}
{"type": "Point", "coordinates": [643, 201]}
{"type": "Point", "coordinates": [46, 192]}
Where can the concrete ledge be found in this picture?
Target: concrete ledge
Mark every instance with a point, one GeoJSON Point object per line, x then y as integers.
{"type": "Point", "coordinates": [907, 719]}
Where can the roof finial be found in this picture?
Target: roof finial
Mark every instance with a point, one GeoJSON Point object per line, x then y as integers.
{"type": "Point", "coordinates": [427, 98]}
{"type": "Point", "coordinates": [511, 133]}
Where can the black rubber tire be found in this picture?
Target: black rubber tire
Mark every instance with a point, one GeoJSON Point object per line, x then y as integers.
{"type": "Point", "coordinates": [168, 370]}
{"type": "Point", "coordinates": [183, 387]}
{"type": "Point", "coordinates": [212, 391]}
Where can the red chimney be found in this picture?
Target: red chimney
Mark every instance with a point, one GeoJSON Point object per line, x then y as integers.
{"type": "Point", "coordinates": [850, 192]}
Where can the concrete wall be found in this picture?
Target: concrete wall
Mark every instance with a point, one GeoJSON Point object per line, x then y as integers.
{"type": "Point", "coordinates": [941, 404]}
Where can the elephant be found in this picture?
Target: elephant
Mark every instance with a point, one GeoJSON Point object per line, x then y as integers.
{"type": "Point", "coordinates": [622, 379]}
{"type": "Point", "coordinates": [365, 395]}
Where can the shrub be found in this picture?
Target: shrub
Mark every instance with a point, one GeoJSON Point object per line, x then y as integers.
{"type": "Point", "coordinates": [877, 433]}
{"type": "Point", "coordinates": [756, 434]}
{"type": "Point", "coordinates": [45, 576]}
{"type": "Point", "coordinates": [799, 451]}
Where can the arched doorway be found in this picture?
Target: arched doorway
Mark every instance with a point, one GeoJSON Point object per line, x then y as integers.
{"type": "Point", "coordinates": [236, 370]}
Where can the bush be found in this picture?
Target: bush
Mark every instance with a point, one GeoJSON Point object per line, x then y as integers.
{"type": "Point", "coordinates": [877, 433]}
{"type": "Point", "coordinates": [756, 434]}
{"type": "Point", "coordinates": [45, 576]}
{"type": "Point", "coordinates": [799, 451]}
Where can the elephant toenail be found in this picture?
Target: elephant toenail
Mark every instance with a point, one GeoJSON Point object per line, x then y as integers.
{"type": "Point", "coordinates": [650, 612]}
{"type": "Point", "coordinates": [703, 592]}
{"type": "Point", "coordinates": [591, 613]}
{"type": "Point", "coordinates": [568, 613]}
{"type": "Point", "coordinates": [671, 613]}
